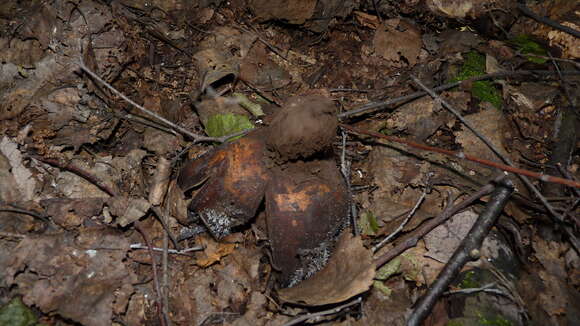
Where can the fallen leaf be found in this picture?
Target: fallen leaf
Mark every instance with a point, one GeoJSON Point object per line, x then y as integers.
{"type": "Point", "coordinates": [22, 176]}
{"type": "Point", "coordinates": [71, 276]}
{"type": "Point", "coordinates": [398, 38]}
{"type": "Point", "coordinates": [213, 251]}
{"type": "Point", "coordinates": [350, 271]}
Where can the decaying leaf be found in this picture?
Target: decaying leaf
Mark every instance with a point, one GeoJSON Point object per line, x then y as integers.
{"type": "Point", "coordinates": [23, 177]}
{"type": "Point", "coordinates": [71, 278]}
{"type": "Point", "coordinates": [160, 181]}
{"type": "Point", "coordinates": [349, 272]}
{"type": "Point", "coordinates": [213, 252]}
{"type": "Point", "coordinates": [128, 210]}
{"type": "Point", "coordinates": [396, 39]}
{"type": "Point", "coordinates": [294, 12]}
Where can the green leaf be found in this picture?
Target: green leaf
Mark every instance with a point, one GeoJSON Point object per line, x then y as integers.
{"type": "Point", "coordinates": [225, 124]}
{"type": "Point", "coordinates": [15, 313]}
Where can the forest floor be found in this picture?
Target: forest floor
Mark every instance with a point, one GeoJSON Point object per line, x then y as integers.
{"type": "Point", "coordinates": [94, 226]}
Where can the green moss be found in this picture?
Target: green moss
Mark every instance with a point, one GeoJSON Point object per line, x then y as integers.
{"type": "Point", "coordinates": [454, 323]}
{"type": "Point", "coordinates": [469, 281]}
{"type": "Point", "coordinates": [368, 224]}
{"type": "Point", "coordinates": [16, 313]}
{"type": "Point", "coordinates": [388, 269]}
{"type": "Point", "coordinates": [484, 90]}
{"type": "Point", "coordinates": [383, 288]}
{"type": "Point", "coordinates": [525, 45]}
{"type": "Point", "coordinates": [225, 124]}
{"type": "Point", "coordinates": [495, 321]}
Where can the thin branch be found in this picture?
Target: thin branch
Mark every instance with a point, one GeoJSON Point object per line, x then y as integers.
{"type": "Point", "coordinates": [488, 288]}
{"type": "Point", "coordinates": [405, 221]}
{"type": "Point", "coordinates": [11, 235]}
{"type": "Point", "coordinates": [345, 170]}
{"type": "Point", "coordinates": [412, 239]}
{"type": "Point", "coordinates": [163, 221]}
{"type": "Point", "coordinates": [462, 255]}
{"type": "Point", "coordinates": [184, 251]}
{"type": "Point", "coordinates": [557, 217]}
{"type": "Point", "coordinates": [332, 311]}
{"type": "Point", "coordinates": [165, 270]}
{"type": "Point", "coordinates": [544, 20]}
{"type": "Point", "coordinates": [5, 207]}
{"type": "Point", "coordinates": [80, 172]}
{"type": "Point", "coordinates": [162, 318]}
{"type": "Point", "coordinates": [377, 106]}
{"type": "Point", "coordinates": [196, 138]}
{"type": "Point", "coordinates": [461, 155]}
{"type": "Point", "coordinates": [471, 290]}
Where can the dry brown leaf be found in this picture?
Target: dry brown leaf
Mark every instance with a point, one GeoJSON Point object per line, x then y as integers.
{"type": "Point", "coordinates": [398, 38]}
{"type": "Point", "coordinates": [213, 252]}
{"type": "Point", "coordinates": [69, 276]}
{"type": "Point", "coordinates": [350, 271]}
{"type": "Point", "coordinates": [294, 12]}
{"type": "Point", "coordinates": [160, 181]}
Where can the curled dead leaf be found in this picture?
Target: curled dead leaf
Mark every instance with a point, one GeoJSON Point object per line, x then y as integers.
{"type": "Point", "coordinates": [350, 271]}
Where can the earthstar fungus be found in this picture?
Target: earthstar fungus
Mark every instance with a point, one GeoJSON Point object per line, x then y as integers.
{"type": "Point", "coordinates": [289, 164]}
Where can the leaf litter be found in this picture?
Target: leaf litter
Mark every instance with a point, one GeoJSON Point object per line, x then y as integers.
{"type": "Point", "coordinates": [220, 68]}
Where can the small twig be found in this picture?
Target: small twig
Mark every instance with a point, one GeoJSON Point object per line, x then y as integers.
{"type": "Point", "coordinates": [412, 239]}
{"type": "Point", "coordinates": [405, 221]}
{"type": "Point", "coordinates": [466, 123]}
{"type": "Point", "coordinates": [11, 235]}
{"type": "Point", "coordinates": [462, 255]}
{"type": "Point", "coordinates": [80, 172]}
{"type": "Point", "coordinates": [461, 155]}
{"type": "Point", "coordinates": [377, 106]}
{"type": "Point", "coordinates": [165, 267]}
{"type": "Point", "coordinates": [162, 220]}
{"type": "Point", "coordinates": [332, 311]}
{"type": "Point", "coordinates": [557, 217]}
{"type": "Point", "coordinates": [335, 90]}
{"type": "Point", "coordinates": [155, 278]}
{"type": "Point", "coordinates": [472, 290]}
{"type": "Point", "coordinates": [261, 93]}
{"type": "Point", "coordinates": [143, 121]}
{"type": "Point", "coordinates": [377, 11]}
{"type": "Point", "coordinates": [184, 251]}
{"type": "Point", "coordinates": [345, 170]}
{"type": "Point", "coordinates": [488, 288]}
{"type": "Point", "coordinates": [196, 138]}
{"type": "Point", "coordinates": [266, 43]}
{"type": "Point", "coordinates": [550, 58]}
{"type": "Point", "coordinates": [5, 207]}
{"type": "Point", "coordinates": [544, 20]}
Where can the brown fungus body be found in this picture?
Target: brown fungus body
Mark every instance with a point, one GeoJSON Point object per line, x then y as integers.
{"type": "Point", "coordinates": [306, 207]}
{"type": "Point", "coordinates": [233, 179]}
{"type": "Point", "coordinates": [306, 126]}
